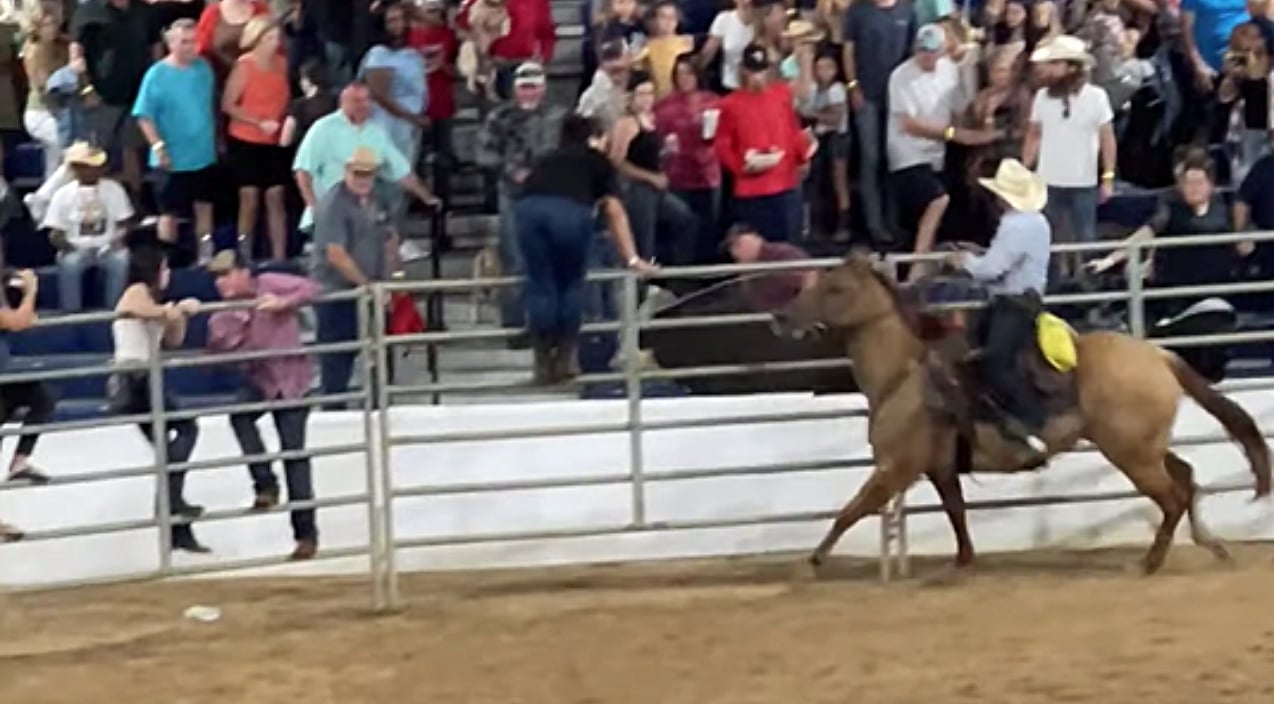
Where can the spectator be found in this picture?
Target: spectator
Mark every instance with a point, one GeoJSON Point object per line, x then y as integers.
{"type": "Point", "coordinates": [219, 33]}
{"type": "Point", "coordinates": [302, 38]}
{"type": "Point", "coordinates": [436, 41]}
{"type": "Point", "coordinates": [1014, 31]}
{"type": "Point", "coordinates": [555, 218]}
{"type": "Point", "coordinates": [1071, 127]}
{"type": "Point", "coordinates": [488, 21]}
{"type": "Point", "coordinates": [774, 290]}
{"type": "Point", "coordinates": [608, 21]}
{"type": "Point", "coordinates": [141, 321]}
{"type": "Point", "coordinates": [118, 37]}
{"type": "Point", "coordinates": [355, 244]}
{"type": "Point", "coordinates": [175, 112]}
{"type": "Point", "coordinates": [395, 74]}
{"type": "Point", "coordinates": [663, 226]}
{"type": "Point", "coordinates": [531, 37]}
{"type": "Point", "coordinates": [606, 97]}
{"type": "Point", "coordinates": [878, 37]}
{"type": "Point", "coordinates": [272, 325]}
{"type": "Point", "coordinates": [1206, 26]}
{"type": "Point", "coordinates": [760, 141]}
{"type": "Point", "coordinates": [1254, 202]}
{"type": "Point", "coordinates": [688, 119]}
{"type": "Point", "coordinates": [828, 107]}
{"type": "Point", "coordinates": [256, 102]}
{"type": "Point", "coordinates": [321, 159]}
{"type": "Point", "coordinates": [1245, 92]}
{"type": "Point", "coordinates": [665, 46]}
{"type": "Point", "coordinates": [30, 398]}
{"type": "Point", "coordinates": [65, 98]}
{"type": "Point", "coordinates": [730, 34]}
{"type": "Point", "coordinates": [922, 105]}
{"type": "Point", "coordinates": [13, 319]}
{"type": "Point", "coordinates": [88, 220]}
{"type": "Point", "coordinates": [1003, 107]}
{"type": "Point", "coordinates": [44, 52]}
{"type": "Point", "coordinates": [316, 100]}
{"type": "Point", "coordinates": [513, 137]}
{"type": "Point", "coordinates": [1046, 22]}
{"type": "Point", "coordinates": [768, 30]}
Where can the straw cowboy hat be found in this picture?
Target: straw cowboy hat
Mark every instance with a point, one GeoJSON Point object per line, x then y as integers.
{"type": "Point", "coordinates": [364, 159]}
{"type": "Point", "coordinates": [803, 31]}
{"type": "Point", "coordinates": [1063, 47]}
{"type": "Point", "coordinates": [84, 154]}
{"type": "Point", "coordinates": [1021, 188]}
{"type": "Point", "coordinates": [254, 30]}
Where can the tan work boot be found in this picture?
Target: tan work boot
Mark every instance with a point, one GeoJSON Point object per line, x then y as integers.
{"type": "Point", "coordinates": [542, 373]}
{"type": "Point", "coordinates": [565, 365]}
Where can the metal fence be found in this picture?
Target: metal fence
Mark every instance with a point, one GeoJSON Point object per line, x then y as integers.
{"type": "Point", "coordinates": [378, 390]}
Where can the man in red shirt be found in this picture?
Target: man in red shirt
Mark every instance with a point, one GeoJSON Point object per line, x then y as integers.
{"type": "Point", "coordinates": [436, 41]}
{"type": "Point", "coordinates": [531, 37]}
{"type": "Point", "coordinates": [760, 141]}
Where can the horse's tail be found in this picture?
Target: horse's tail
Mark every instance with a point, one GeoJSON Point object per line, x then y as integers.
{"type": "Point", "coordinates": [1240, 426]}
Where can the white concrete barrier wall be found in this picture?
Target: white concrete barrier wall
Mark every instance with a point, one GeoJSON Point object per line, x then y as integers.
{"type": "Point", "coordinates": [1232, 516]}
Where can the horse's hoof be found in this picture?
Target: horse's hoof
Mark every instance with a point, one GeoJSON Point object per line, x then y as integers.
{"type": "Point", "coordinates": [804, 572]}
{"type": "Point", "coordinates": [815, 560]}
{"type": "Point", "coordinates": [1221, 554]}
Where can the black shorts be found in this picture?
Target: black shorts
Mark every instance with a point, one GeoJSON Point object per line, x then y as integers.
{"type": "Point", "coordinates": [178, 191]}
{"type": "Point", "coordinates": [258, 165]}
{"type": "Point", "coordinates": [913, 189]}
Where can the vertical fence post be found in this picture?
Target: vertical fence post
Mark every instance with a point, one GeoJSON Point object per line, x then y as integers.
{"type": "Point", "coordinates": [630, 334]}
{"type": "Point", "coordinates": [1133, 271]}
{"type": "Point", "coordinates": [368, 337]}
{"type": "Point", "coordinates": [389, 563]}
{"type": "Point", "coordinates": [159, 438]}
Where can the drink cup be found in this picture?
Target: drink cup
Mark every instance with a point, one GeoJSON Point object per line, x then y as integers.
{"type": "Point", "coordinates": [710, 118]}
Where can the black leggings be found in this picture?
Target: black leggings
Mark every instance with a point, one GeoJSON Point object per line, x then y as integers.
{"type": "Point", "coordinates": [33, 396]}
{"type": "Point", "coordinates": [182, 435]}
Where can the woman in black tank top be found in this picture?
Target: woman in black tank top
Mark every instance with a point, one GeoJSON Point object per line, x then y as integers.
{"type": "Point", "coordinates": [663, 225]}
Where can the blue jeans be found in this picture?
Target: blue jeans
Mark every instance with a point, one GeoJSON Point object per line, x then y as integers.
{"type": "Point", "coordinates": [512, 307]}
{"type": "Point", "coordinates": [663, 225]}
{"type": "Point", "coordinates": [555, 235]}
{"type": "Point", "coordinates": [776, 217]}
{"type": "Point", "coordinates": [337, 322]}
{"type": "Point", "coordinates": [290, 424]}
{"type": "Point", "coordinates": [1073, 213]}
{"type": "Point", "coordinates": [112, 265]}
{"type": "Point", "coordinates": [706, 204]}
{"type": "Point", "coordinates": [869, 123]}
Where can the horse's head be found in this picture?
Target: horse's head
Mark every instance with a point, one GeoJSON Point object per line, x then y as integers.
{"type": "Point", "coordinates": [843, 298]}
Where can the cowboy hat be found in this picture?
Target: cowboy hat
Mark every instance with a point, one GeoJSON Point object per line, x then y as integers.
{"type": "Point", "coordinates": [1018, 186]}
{"type": "Point", "coordinates": [84, 154]}
{"type": "Point", "coordinates": [363, 159]}
{"type": "Point", "coordinates": [1063, 47]}
{"type": "Point", "coordinates": [803, 31]}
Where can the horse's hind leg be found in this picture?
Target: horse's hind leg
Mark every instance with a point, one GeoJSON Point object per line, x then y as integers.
{"type": "Point", "coordinates": [883, 484]}
{"type": "Point", "coordinates": [1183, 474]}
{"type": "Point", "coordinates": [1153, 480]}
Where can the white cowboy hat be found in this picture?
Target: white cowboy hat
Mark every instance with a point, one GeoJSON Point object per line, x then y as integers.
{"type": "Point", "coordinates": [84, 154]}
{"type": "Point", "coordinates": [1063, 47]}
{"type": "Point", "coordinates": [1021, 188]}
{"type": "Point", "coordinates": [803, 31]}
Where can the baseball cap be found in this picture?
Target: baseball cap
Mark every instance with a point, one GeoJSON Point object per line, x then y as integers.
{"type": "Point", "coordinates": [755, 58]}
{"type": "Point", "coordinates": [931, 37]}
{"type": "Point", "coordinates": [528, 73]}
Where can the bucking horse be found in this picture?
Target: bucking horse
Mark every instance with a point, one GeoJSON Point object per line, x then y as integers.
{"type": "Point", "coordinates": [925, 419]}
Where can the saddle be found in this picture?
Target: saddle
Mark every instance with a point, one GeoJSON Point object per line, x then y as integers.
{"type": "Point", "coordinates": [939, 309]}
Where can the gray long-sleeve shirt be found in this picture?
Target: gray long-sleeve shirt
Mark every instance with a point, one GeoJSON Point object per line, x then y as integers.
{"type": "Point", "coordinates": [1017, 260]}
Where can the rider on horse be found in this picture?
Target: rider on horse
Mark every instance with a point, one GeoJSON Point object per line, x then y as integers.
{"type": "Point", "coordinates": [1015, 271]}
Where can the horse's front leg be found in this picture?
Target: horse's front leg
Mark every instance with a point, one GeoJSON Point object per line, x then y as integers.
{"type": "Point", "coordinates": [890, 477]}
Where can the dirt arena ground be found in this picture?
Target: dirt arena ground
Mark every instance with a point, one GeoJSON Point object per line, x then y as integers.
{"type": "Point", "coordinates": [1025, 629]}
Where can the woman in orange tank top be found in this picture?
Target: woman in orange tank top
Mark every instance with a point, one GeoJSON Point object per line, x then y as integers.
{"type": "Point", "coordinates": [256, 101]}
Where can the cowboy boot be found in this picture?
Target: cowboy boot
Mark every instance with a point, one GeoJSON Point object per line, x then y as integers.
{"type": "Point", "coordinates": [542, 350]}
{"type": "Point", "coordinates": [566, 360]}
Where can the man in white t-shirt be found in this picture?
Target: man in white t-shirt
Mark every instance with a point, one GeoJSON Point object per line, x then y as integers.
{"type": "Point", "coordinates": [1071, 142]}
{"type": "Point", "coordinates": [730, 34]}
{"type": "Point", "coordinates": [923, 92]}
{"type": "Point", "coordinates": [87, 220]}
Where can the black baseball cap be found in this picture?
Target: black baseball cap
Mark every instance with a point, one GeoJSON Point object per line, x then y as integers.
{"type": "Point", "coordinates": [755, 58]}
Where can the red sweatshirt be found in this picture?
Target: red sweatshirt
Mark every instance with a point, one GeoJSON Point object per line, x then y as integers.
{"type": "Point", "coordinates": [531, 31]}
{"type": "Point", "coordinates": [761, 121]}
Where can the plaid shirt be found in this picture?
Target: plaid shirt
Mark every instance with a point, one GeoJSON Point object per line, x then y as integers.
{"type": "Point", "coordinates": [512, 139]}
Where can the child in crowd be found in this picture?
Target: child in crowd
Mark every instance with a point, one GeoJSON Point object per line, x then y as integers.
{"type": "Point", "coordinates": [488, 21]}
{"type": "Point", "coordinates": [665, 45]}
{"type": "Point", "coordinates": [828, 107]}
{"type": "Point", "coordinates": [316, 101]}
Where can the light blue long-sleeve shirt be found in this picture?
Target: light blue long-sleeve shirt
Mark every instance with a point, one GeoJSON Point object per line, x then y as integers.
{"type": "Point", "coordinates": [1017, 260]}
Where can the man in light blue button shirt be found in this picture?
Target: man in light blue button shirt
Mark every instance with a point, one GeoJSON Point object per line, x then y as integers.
{"type": "Point", "coordinates": [1015, 271]}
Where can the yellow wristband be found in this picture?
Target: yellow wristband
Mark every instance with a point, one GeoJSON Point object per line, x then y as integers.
{"type": "Point", "coordinates": [851, 84]}
{"type": "Point", "coordinates": [948, 134]}
{"type": "Point", "coordinates": [1108, 176]}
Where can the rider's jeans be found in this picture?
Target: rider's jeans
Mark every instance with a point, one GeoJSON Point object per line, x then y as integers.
{"type": "Point", "coordinates": [1010, 328]}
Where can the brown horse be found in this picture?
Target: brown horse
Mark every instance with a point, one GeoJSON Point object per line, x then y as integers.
{"type": "Point", "coordinates": [1128, 394]}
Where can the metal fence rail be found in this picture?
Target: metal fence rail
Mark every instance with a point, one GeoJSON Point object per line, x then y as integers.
{"type": "Point", "coordinates": [378, 390]}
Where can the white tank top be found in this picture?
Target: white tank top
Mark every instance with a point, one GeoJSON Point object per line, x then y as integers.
{"type": "Point", "coordinates": [135, 339]}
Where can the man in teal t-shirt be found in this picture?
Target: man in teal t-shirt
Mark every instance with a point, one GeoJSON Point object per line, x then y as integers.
{"type": "Point", "coordinates": [175, 110]}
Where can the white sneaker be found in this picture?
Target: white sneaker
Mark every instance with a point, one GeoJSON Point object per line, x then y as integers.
{"type": "Point", "coordinates": [1037, 444]}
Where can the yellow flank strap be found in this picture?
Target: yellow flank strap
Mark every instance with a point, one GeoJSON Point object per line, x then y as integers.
{"type": "Point", "coordinates": [1056, 340]}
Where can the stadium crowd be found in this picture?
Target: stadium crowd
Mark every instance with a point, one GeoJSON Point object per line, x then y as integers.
{"type": "Point", "coordinates": [755, 132]}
